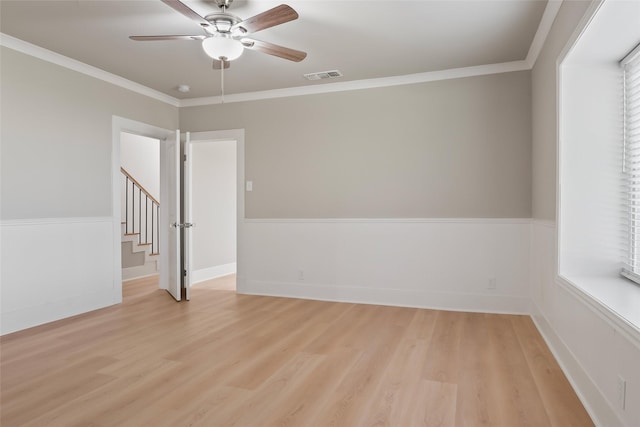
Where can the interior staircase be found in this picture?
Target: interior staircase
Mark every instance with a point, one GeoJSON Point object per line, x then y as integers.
{"type": "Point", "coordinates": [137, 258]}
{"type": "Point", "coordinates": [139, 230]}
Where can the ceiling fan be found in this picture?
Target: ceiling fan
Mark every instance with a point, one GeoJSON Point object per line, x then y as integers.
{"type": "Point", "coordinates": [225, 34]}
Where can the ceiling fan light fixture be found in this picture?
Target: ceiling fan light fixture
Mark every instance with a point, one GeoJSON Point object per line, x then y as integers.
{"type": "Point", "coordinates": [222, 48]}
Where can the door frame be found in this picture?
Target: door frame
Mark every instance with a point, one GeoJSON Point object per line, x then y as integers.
{"type": "Point", "coordinates": [120, 124]}
{"type": "Point", "coordinates": [236, 135]}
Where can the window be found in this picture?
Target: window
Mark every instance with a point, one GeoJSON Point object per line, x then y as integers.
{"type": "Point", "coordinates": [631, 67]}
{"type": "Point", "coordinates": [594, 189]}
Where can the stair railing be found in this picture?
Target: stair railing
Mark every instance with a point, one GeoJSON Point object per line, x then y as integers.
{"type": "Point", "coordinates": [141, 212]}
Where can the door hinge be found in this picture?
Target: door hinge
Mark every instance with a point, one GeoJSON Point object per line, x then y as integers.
{"type": "Point", "coordinates": [184, 273]}
{"type": "Point", "coordinates": [184, 158]}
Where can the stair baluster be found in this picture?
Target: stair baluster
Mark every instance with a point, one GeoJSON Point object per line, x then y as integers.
{"type": "Point", "coordinates": [148, 234]}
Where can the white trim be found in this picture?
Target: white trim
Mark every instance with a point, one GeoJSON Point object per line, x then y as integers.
{"type": "Point", "coordinates": [218, 135]}
{"type": "Point", "coordinates": [539, 38]}
{"type": "Point", "coordinates": [583, 385]}
{"type": "Point", "coordinates": [450, 301]}
{"type": "Point", "coordinates": [626, 329]}
{"type": "Point", "coordinates": [139, 277]}
{"type": "Point", "coordinates": [631, 332]}
{"type": "Point", "coordinates": [430, 76]}
{"type": "Point", "coordinates": [45, 221]}
{"type": "Point", "coordinates": [543, 223]}
{"type": "Point", "coordinates": [72, 64]}
{"type": "Point", "coordinates": [119, 125]}
{"type": "Point", "coordinates": [588, 16]}
{"type": "Point", "coordinates": [54, 310]}
{"type": "Point", "coordinates": [139, 271]}
{"type": "Point", "coordinates": [549, 15]}
{"type": "Point", "coordinates": [68, 270]}
{"type": "Point", "coordinates": [387, 220]}
{"type": "Point", "coordinates": [214, 272]}
{"type": "Point", "coordinates": [631, 56]}
{"type": "Point", "coordinates": [236, 135]}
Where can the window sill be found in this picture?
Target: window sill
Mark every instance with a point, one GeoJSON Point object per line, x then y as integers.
{"type": "Point", "coordinates": [617, 298]}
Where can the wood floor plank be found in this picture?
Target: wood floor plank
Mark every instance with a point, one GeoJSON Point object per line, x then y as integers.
{"type": "Point", "coordinates": [477, 402]}
{"type": "Point", "coordinates": [399, 384]}
{"type": "Point", "coordinates": [347, 405]}
{"type": "Point", "coordinates": [436, 405]}
{"type": "Point", "coordinates": [560, 401]}
{"type": "Point", "coordinates": [514, 385]}
{"type": "Point", "coordinates": [298, 405]}
{"type": "Point", "coordinates": [87, 409]}
{"type": "Point", "coordinates": [37, 397]}
{"type": "Point", "coordinates": [225, 359]}
{"type": "Point", "coordinates": [442, 364]}
{"type": "Point", "coordinates": [253, 410]}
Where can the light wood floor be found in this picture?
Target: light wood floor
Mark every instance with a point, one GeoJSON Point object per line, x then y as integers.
{"type": "Point", "coordinates": [231, 360]}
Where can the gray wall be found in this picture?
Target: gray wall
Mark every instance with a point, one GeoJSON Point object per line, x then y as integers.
{"type": "Point", "coordinates": [455, 148]}
{"type": "Point", "coordinates": [57, 135]}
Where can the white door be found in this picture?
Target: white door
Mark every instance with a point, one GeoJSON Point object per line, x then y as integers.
{"type": "Point", "coordinates": [188, 217]}
{"type": "Point", "coordinates": [170, 277]}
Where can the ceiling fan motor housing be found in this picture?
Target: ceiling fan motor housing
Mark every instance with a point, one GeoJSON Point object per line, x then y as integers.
{"type": "Point", "coordinates": [220, 23]}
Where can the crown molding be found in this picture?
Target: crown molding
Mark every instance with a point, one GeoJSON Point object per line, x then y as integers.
{"type": "Point", "coordinates": [496, 221]}
{"type": "Point", "coordinates": [72, 64]}
{"type": "Point", "coordinates": [431, 76]}
{"type": "Point", "coordinates": [549, 15]}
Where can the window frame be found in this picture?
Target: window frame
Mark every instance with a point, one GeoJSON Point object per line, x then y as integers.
{"type": "Point", "coordinates": [630, 66]}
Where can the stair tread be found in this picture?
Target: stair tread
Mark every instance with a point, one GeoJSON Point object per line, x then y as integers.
{"type": "Point", "coordinates": [131, 234]}
{"type": "Point", "coordinates": [154, 254]}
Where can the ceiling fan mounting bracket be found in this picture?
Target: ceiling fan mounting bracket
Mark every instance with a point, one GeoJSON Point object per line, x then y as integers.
{"type": "Point", "coordinates": [223, 4]}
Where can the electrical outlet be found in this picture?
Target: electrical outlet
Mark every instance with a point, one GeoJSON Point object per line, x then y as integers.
{"type": "Point", "coordinates": [301, 274]}
{"type": "Point", "coordinates": [622, 392]}
{"type": "Point", "coordinates": [492, 283]}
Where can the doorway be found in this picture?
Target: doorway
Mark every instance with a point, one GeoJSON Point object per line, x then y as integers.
{"type": "Point", "coordinates": [216, 206]}
{"type": "Point", "coordinates": [140, 205]}
{"type": "Point", "coordinates": [213, 204]}
{"type": "Point", "coordinates": [171, 188]}
{"type": "Point", "coordinates": [167, 143]}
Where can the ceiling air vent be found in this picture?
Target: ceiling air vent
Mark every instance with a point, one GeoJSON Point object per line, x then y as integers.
{"type": "Point", "coordinates": [323, 75]}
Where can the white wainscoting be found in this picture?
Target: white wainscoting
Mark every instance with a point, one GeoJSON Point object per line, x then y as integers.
{"type": "Point", "coordinates": [431, 263]}
{"type": "Point", "coordinates": [56, 268]}
{"type": "Point", "coordinates": [591, 349]}
{"type": "Point", "coordinates": [212, 272]}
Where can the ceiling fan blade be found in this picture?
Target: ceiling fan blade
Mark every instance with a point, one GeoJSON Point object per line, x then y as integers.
{"type": "Point", "coordinates": [155, 38]}
{"type": "Point", "coordinates": [274, 49]}
{"type": "Point", "coordinates": [186, 11]}
{"type": "Point", "coordinates": [217, 65]}
{"type": "Point", "coordinates": [270, 18]}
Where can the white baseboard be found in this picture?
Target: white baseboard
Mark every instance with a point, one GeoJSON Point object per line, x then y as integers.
{"type": "Point", "coordinates": [483, 303]}
{"type": "Point", "coordinates": [29, 317]}
{"type": "Point", "coordinates": [586, 389]}
{"type": "Point", "coordinates": [431, 263]}
{"type": "Point", "coordinates": [54, 268]}
{"type": "Point", "coordinates": [213, 272]}
{"type": "Point", "coordinates": [139, 271]}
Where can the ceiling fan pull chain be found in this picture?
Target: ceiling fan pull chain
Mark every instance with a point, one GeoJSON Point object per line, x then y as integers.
{"type": "Point", "coordinates": [222, 81]}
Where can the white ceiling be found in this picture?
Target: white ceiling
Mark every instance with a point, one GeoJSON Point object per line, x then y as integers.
{"type": "Point", "coordinates": [363, 39]}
